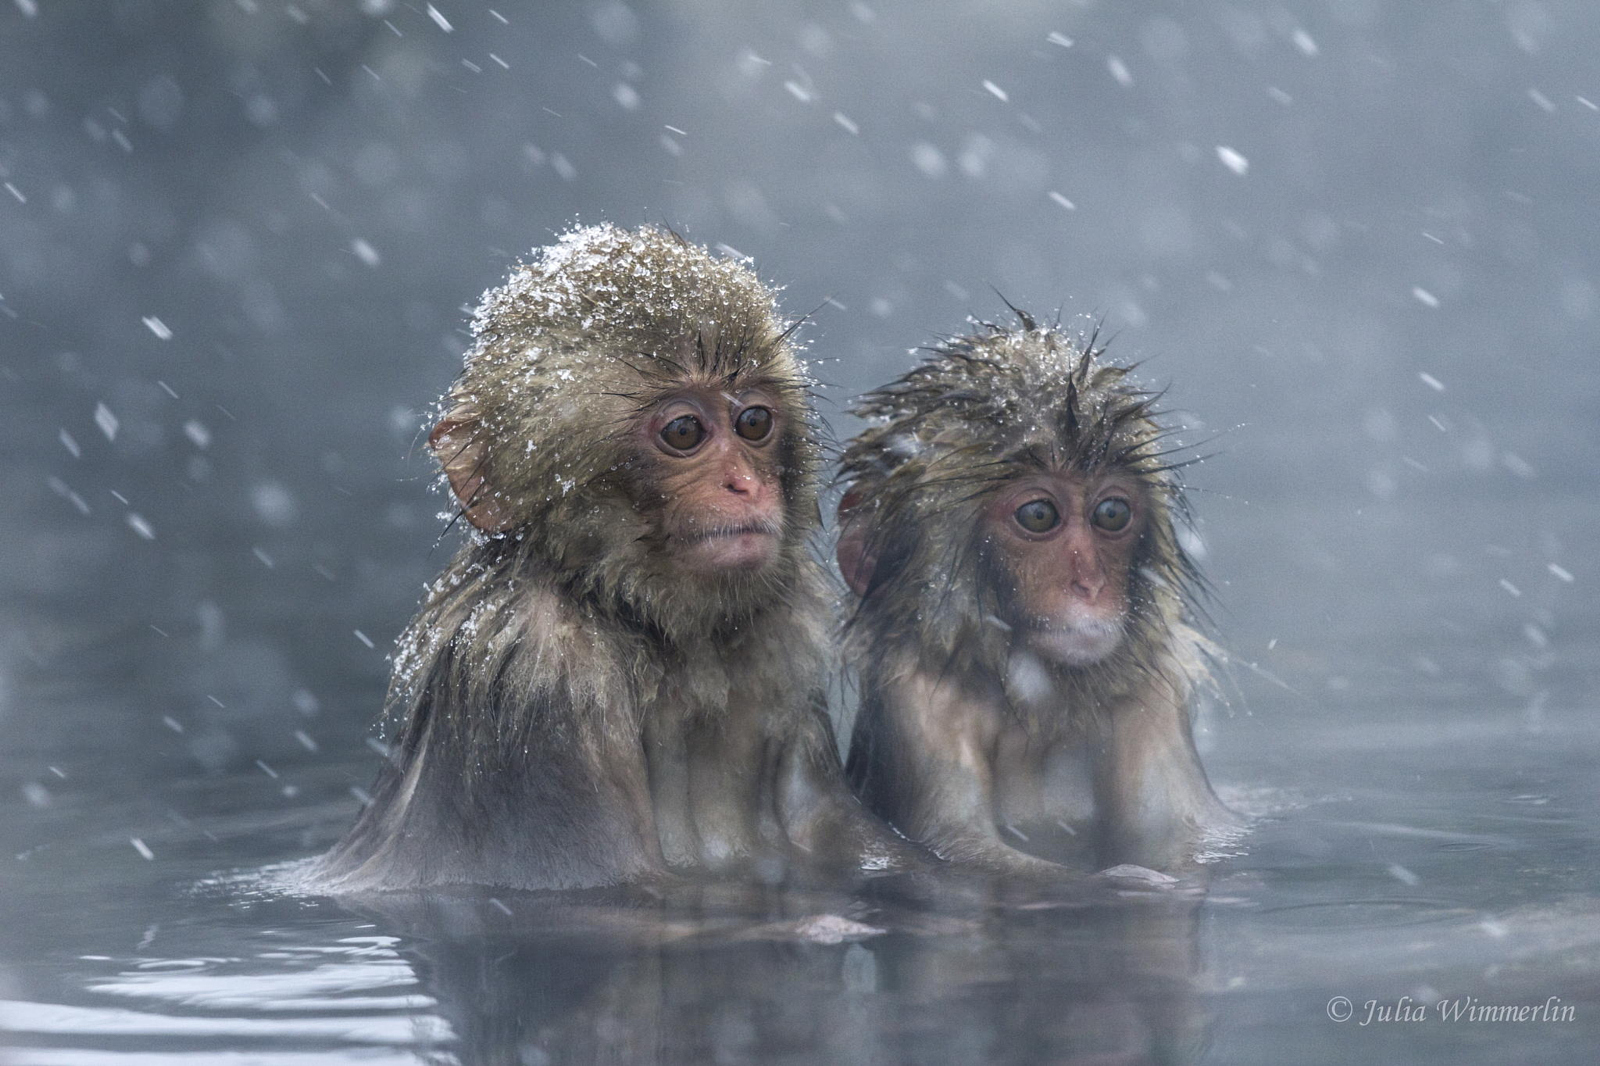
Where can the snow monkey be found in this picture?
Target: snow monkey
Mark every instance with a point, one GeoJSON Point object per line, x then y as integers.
{"type": "Point", "coordinates": [1021, 606]}
{"type": "Point", "coordinates": [622, 673]}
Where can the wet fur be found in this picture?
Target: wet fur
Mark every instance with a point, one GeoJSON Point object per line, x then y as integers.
{"type": "Point", "coordinates": [926, 636]}
{"type": "Point", "coordinates": [563, 691]}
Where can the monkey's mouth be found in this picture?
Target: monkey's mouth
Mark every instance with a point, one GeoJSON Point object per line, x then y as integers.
{"type": "Point", "coordinates": [1080, 642]}
{"type": "Point", "coordinates": [762, 528]}
{"type": "Point", "coordinates": [736, 546]}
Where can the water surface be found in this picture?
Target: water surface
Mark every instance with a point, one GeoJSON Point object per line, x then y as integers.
{"type": "Point", "coordinates": [1409, 864]}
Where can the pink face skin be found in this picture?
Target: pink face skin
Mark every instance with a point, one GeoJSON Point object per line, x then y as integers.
{"type": "Point", "coordinates": [1066, 546]}
{"type": "Point", "coordinates": [715, 461]}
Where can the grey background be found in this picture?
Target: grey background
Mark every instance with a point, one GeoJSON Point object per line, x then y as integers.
{"type": "Point", "coordinates": [306, 194]}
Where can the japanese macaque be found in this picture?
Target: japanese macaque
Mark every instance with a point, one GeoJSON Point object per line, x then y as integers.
{"type": "Point", "coordinates": [1020, 624]}
{"type": "Point", "coordinates": [621, 674]}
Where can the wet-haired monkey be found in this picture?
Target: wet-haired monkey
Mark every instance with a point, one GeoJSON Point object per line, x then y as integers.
{"type": "Point", "coordinates": [1020, 608]}
{"type": "Point", "coordinates": [622, 671]}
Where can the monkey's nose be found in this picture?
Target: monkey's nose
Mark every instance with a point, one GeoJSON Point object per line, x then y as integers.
{"type": "Point", "coordinates": [1088, 583]}
{"type": "Point", "coordinates": [740, 482]}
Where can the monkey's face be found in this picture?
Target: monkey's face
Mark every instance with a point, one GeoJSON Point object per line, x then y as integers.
{"type": "Point", "coordinates": [712, 464]}
{"type": "Point", "coordinates": [1060, 549]}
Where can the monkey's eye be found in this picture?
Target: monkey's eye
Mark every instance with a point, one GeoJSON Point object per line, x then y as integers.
{"type": "Point", "coordinates": [754, 423]}
{"type": "Point", "coordinates": [683, 433]}
{"type": "Point", "coordinates": [1112, 514]}
{"type": "Point", "coordinates": [1038, 516]}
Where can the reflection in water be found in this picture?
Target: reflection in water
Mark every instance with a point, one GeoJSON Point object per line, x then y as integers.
{"type": "Point", "coordinates": [706, 974]}
{"type": "Point", "coordinates": [734, 976]}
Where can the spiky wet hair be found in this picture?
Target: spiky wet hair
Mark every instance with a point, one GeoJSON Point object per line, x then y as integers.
{"type": "Point", "coordinates": [979, 411]}
{"type": "Point", "coordinates": [584, 337]}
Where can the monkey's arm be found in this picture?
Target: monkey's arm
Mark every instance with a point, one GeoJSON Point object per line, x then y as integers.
{"type": "Point", "coordinates": [922, 756]}
{"type": "Point", "coordinates": [819, 813]}
{"type": "Point", "coordinates": [1152, 799]}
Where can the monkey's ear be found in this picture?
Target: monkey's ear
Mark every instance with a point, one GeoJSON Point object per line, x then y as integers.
{"type": "Point", "coordinates": [461, 449]}
{"type": "Point", "coordinates": [855, 562]}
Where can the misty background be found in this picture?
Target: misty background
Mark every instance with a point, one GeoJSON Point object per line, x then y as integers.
{"type": "Point", "coordinates": [1357, 239]}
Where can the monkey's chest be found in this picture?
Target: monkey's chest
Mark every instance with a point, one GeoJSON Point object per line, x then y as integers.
{"type": "Point", "coordinates": [1044, 804]}
{"type": "Point", "coordinates": [711, 781]}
